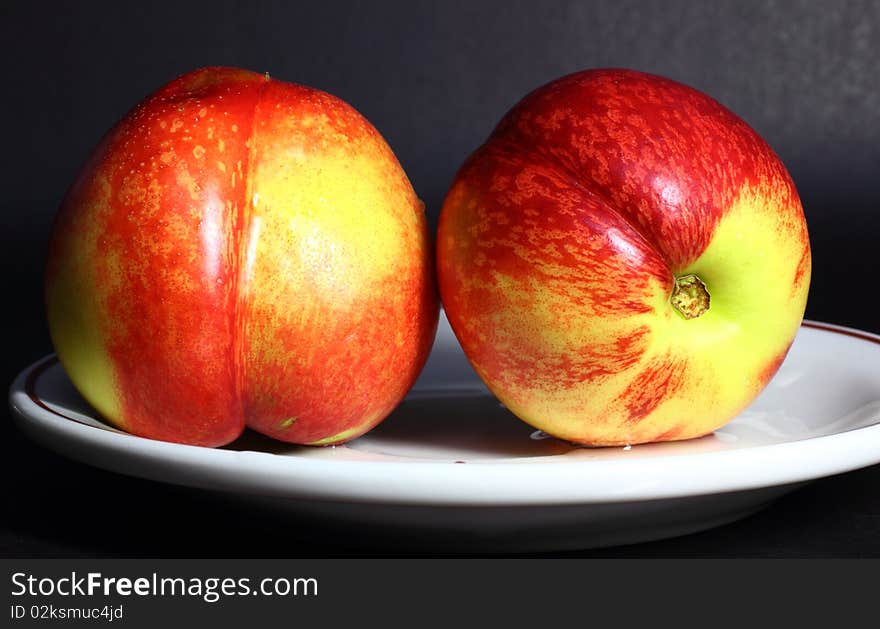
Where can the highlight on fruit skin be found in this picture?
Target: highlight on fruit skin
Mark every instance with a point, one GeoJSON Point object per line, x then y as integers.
{"type": "Point", "coordinates": [624, 260]}
{"type": "Point", "coordinates": [242, 251]}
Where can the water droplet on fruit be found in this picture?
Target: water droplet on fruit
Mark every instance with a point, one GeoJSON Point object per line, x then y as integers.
{"type": "Point", "coordinates": [539, 435]}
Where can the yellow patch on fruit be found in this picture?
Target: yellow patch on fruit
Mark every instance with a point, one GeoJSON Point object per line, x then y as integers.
{"type": "Point", "coordinates": [722, 356]}
{"type": "Point", "coordinates": [333, 228]}
{"type": "Point", "coordinates": [74, 314]}
{"type": "Point", "coordinates": [343, 436]}
{"type": "Point", "coordinates": [80, 347]}
{"type": "Point", "coordinates": [320, 210]}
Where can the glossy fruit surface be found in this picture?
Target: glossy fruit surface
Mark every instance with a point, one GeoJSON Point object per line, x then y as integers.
{"type": "Point", "coordinates": [624, 260]}
{"type": "Point", "coordinates": [242, 251]}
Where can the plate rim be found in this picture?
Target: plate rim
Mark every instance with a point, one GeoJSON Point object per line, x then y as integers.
{"type": "Point", "coordinates": [501, 482]}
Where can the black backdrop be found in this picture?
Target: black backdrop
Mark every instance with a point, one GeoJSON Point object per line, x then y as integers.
{"type": "Point", "coordinates": [434, 78]}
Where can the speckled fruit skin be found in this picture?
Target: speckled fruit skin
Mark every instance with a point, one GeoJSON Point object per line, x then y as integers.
{"type": "Point", "coordinates": [242, 251]}
{"type": "Point", "coordinates": [560, 240]}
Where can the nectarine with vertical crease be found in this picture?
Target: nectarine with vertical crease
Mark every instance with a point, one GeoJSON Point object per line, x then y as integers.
{"type": "Point", "coordinates": [242, 251]}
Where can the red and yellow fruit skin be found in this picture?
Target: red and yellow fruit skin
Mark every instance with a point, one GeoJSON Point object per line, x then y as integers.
{"type": "Point", "coordinates": [560, 240]}
{"type": "Point", "coordinates": [242, 251]}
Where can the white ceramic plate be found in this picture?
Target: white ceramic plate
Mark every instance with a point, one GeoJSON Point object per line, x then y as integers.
{"type": "Point", "coordinates": [451, 469]}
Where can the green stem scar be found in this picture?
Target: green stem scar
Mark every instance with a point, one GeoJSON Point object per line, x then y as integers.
{"type": "Point", "coordinates": [690, 296]}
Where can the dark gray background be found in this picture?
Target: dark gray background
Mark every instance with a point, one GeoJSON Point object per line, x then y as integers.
{"type": "Point", "coordinates": [434, 78]}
